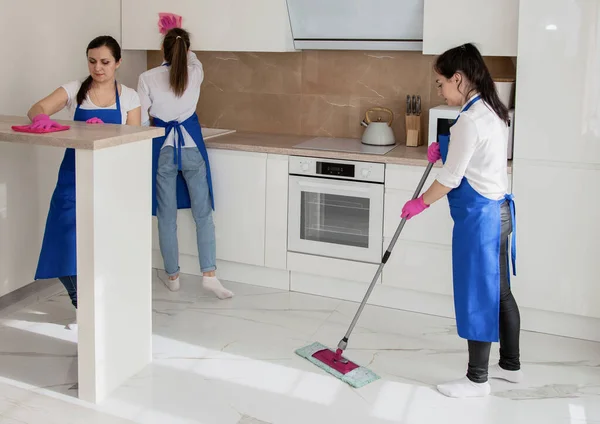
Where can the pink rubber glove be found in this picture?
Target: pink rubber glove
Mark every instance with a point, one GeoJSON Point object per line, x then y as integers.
{"type": "Point", "coordinates": [433, 152]}
{"type": "Point", "coordinates": [94, 120]}
{"type": "Point", "coordinates": [168, 21]}
{"type": "Point", "coordinates": [43, 122]}
{"type": "Point", "coordinates": [413, 208]}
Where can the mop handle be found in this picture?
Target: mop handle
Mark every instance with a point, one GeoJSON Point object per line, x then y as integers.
{"type": "Point", "coordinates": [386, 256]}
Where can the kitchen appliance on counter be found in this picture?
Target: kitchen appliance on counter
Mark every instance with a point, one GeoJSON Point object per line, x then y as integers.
{"type": "Point", "coordinates": [348, 145]}
{"type": "Point", "coordinates": [378, 133]}
{"type": "Point", "coordinates": [335, 208]}
{"type": "Point", "coordinates": [442, 117]}
{"type": "Point", "coordinates": [505, 87]}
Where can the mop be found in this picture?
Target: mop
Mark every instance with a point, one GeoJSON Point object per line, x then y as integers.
{"type": "Point", "coordinates": [333, 362]}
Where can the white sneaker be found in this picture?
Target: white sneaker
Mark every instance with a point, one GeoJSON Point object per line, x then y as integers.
{"type": "Point", "coordinates": [172, 285]}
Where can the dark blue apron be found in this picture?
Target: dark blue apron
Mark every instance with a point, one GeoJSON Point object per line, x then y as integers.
{"type": "Point", "coordinates": [58, 257]}
{"type": "Point", "coordinates": [192, 126]}
{"type": "Point", "coordinates": [475, 253]}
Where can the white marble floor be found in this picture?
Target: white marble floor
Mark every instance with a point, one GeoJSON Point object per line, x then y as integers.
{"type": "Point", "coordinates": [229, 362]}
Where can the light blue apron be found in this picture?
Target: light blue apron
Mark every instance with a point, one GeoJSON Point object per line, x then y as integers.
{"type": "Point", "coordinates": [475, 253]}
{"type": "Point", "coordinates": [192, 126]}
{"type": "Point", "coordinates": [58, 257]}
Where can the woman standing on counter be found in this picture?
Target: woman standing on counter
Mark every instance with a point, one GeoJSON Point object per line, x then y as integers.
{"type": "Point", "coordinates": [181, 172]}
{"type": "Point", "coordinates": [474, 177]}
{"type": "Point", "coordinates": [98, 98]}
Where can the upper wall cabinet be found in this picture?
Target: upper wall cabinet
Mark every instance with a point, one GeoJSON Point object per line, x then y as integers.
{"type": "Point", "coordinates": [492, 25]}
{"type": "Point", "coordinates": [224, 25]}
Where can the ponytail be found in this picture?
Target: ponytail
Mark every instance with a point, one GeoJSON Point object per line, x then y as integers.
{"type": "Point", "coordinates": [467, 60]}
{"type": "Point", "coordinates": [83, 90]}
{"type": "Point", "coordinates": [115, 49]}
{"type": "Point", "coordinates": [175, 47]}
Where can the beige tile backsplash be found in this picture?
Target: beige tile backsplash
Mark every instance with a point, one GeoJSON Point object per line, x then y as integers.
{"type": "Point", "coordinates": [320, 93]}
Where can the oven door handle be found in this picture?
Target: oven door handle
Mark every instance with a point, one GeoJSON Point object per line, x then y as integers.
{"type": "Point", "coordinates": [334, 187]}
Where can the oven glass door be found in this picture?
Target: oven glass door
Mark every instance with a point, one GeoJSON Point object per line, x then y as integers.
{"type": "Point", "coordinates": [340, 219]}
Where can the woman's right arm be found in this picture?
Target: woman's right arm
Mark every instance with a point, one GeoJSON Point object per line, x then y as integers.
{"type": "Point", "coordinates": [195, 66]}
{"type": "Point", "coordinates": [460, 152]}
{"type": "Point", "coordinates": [49, 105]}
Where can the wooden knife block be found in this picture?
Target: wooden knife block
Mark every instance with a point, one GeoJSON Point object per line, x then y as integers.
{"type": "Point", "coordinates": [414, 137]}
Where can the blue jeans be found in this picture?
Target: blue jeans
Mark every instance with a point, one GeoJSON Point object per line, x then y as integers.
{"type": "Point", "coordinates": [193, 169]}
{"type": "Point", "coordinates": [70, 283]}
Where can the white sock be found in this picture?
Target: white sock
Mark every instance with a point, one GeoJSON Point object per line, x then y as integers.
{"type": "Point", "coordinates": [73, 325]}
{"type": "Point", "coordinates": [172, 285]}
{"type": "Point", "coordinates": [214, 285]}
{"type": "Point", "coordinates": [496, 371]}
{"type": "Point", "coordinates": [464, 388]}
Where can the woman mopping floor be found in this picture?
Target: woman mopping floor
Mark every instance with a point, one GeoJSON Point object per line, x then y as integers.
{"type": "Point", "coordinates": [474, 177]}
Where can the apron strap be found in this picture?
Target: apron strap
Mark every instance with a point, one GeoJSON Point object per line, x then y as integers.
{"type": "Point", "coordinates": [513, 242]}
{"type": "Point", "coordinates": [178, 141]}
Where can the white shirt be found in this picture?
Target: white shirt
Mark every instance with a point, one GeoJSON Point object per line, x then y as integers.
{"type": "Point", "coordinates": [478, 151]}
{"type": "Point", "coordinates": [129, 100]}
{"type": "Point", "coordinates": [159, 101]}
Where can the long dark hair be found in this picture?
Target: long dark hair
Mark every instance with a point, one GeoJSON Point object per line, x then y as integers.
{"type": "Point", "coordinates": [467, 60]}
{"type": "Point", "coordinates": [115, 49]}
{"type": "Point", "coordinates": [175, 47]}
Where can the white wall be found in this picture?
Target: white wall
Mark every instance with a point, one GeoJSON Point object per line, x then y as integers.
{"type": "Point", "coordinates": [43, 46]}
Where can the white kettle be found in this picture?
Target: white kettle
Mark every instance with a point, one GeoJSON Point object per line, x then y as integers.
{"type": "Point", "coordinates": [378, 133]}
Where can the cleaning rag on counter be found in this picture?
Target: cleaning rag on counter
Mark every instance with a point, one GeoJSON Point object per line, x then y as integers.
{"type": "Point", "coordinates": [29, 129]}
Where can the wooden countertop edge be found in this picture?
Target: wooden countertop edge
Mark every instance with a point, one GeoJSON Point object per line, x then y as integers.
{"type": "Point", "coordinates": [80, 136]}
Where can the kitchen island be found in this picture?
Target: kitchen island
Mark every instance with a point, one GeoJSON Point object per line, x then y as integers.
{"type": "Point", "coordinates": [114, 244]}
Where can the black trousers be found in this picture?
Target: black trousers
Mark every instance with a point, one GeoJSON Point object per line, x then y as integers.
{"type": "Point", "coordinates": [510, 319]}
{"type": "Point", "coordinates": [70, 283]}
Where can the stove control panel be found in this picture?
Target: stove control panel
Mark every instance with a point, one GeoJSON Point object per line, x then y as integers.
{"type": "Point", "coordinates": [340, 169]}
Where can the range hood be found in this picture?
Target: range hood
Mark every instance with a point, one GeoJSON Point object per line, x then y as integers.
{"type": "Point", "coordinates": [357, 24]}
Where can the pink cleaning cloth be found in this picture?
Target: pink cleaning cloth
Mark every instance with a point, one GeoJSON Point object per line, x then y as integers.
{"type": "Point", "coordinates": [28, 129]}
{"type": "Point", "coordinates": [168, 21]}
{"type": "Point", "coordinates": [94, 120]}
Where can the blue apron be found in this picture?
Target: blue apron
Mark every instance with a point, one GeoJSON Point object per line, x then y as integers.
{"type": "Point", "coordinates": [192, 126]}
{"type": "Point", "coordinates": [475, 253]}
{"type": "Point", "coordinates": [58, 257]}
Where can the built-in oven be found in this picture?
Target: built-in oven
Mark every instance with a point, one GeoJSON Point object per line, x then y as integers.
{"type": "Point", "coordinates": [336, 208]}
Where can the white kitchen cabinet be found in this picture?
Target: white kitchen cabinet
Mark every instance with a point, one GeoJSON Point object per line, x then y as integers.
{"type": "Point", "coordinates": [240, 200]}
{"type": "Point", "coordinates": [432, 226]}
{"type": "Point", "coordinates": [422, 257]}
{"type": "Point", "coordinates": [276, 212]}
{"type": "Point", "coordinates": [558, 41]}
{"type": "Point", "coordinates": [557, 238]}
{"type": "Point", "coordinates": [492, 25]}
{"type": "Point", "coordinates": [226, 25]}
{"type": "Point", "coordinates": [418, 266]}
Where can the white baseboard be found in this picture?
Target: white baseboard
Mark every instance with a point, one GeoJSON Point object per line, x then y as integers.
{"type": "Point", "coordinates": [232, 271]}
{"type": "Point", "coordinates": [535, 320]}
